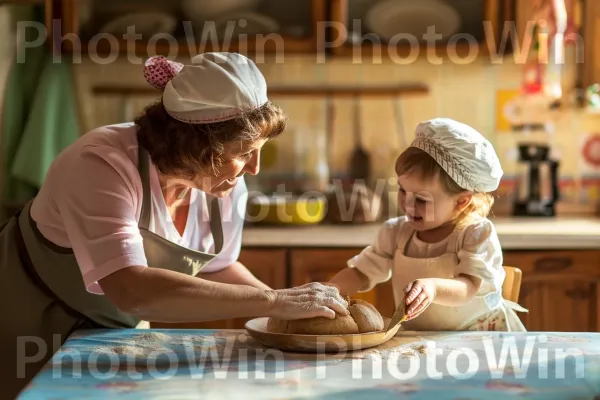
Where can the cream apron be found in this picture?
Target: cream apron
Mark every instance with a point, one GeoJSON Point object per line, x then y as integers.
{"type": "Point", "coordinates": [42, 295]}
{"type": "Point", "coordinates": [475, 315]}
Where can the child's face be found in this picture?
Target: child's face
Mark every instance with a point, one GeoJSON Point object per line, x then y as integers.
{"type": "Point", "coordinates": [425, 203]}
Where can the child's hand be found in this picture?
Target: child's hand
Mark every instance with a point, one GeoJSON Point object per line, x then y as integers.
{"type": "Point", "coordinates": [419, 295]}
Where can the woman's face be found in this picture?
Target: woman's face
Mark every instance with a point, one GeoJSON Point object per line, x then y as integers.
{"type": "Point", "coordinates": [239, 158]}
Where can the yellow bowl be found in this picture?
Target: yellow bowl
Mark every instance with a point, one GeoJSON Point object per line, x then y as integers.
{"type": "Point", "coordinates": [276, 209]}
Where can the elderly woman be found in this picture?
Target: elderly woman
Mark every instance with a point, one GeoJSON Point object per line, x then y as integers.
{"type": "Point", "coordinates": [143, 221]}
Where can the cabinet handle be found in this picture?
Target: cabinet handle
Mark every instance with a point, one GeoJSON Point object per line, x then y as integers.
{"type": "Point", "coordinates": [553, 264]}
{"type": "Point", "coordinates": [578, 294]}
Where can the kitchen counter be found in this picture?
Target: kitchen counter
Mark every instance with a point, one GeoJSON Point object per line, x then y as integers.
{"type": "Point", "coordinates": [228, 364]}
{"type": "Point", "coordinates": [514, 233]}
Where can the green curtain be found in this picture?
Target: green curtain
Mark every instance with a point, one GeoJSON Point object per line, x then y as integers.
{"type": "Point", "coordinates": [39, 116]}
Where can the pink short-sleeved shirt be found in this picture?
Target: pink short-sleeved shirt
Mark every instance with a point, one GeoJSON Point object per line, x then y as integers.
{"type": "Point", "coordinates": [91, 201]}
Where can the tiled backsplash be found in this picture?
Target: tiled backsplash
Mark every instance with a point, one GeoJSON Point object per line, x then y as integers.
{"type": "Point", "coordinates": [468, 93]}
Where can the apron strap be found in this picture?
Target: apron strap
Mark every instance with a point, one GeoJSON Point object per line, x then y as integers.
{"type": "Point", "coordinates": [215, 222]}
{"type": "Point", "coordinates": [405, 235]}
{"type": "Point", "coordinates": [144, 171]}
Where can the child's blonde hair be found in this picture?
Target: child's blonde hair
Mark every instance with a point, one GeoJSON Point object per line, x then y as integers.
{"type": "Point", "coordinates": [416, 160]}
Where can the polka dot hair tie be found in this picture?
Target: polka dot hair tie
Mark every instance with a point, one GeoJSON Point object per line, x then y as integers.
{"type": "Point", "coordinates": [158, 71]}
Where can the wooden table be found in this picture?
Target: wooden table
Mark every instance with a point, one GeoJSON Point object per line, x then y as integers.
{"type": "Point", "coordinates": [228, 364]}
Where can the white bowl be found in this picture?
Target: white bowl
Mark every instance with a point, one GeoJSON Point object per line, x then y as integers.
{"type": "Point", "coordinates": [199, 11]}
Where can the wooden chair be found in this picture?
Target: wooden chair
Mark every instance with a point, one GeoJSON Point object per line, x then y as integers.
{"type": "Point", "coordinates": [512, 283]}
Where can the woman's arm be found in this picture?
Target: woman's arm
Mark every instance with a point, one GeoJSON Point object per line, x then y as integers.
{"type": "Point", "coordinates": [237, 274]}
{"type": "Point", "coordinates": [160, 295]}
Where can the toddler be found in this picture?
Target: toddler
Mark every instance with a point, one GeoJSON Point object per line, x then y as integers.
{"type": "Point", "coordinates": [443, 255]}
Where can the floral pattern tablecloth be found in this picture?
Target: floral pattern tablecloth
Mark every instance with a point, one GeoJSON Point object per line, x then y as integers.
{"type": "Point", "coordinates": [229, 364]}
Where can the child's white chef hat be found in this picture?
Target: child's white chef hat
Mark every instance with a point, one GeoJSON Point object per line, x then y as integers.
{"type": "Point", "coordinates": [214, 87]}
{"type": "Point", "coordinates": [462, 152]}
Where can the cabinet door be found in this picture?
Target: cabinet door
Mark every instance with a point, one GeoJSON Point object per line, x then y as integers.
{"type": "Point", "coordinates": [591, 39]}
{"type": "Point", "coordinates": [460, 28]}
{"type": "Point", "coordinates": [561, 289]}
{"type": "Point", "coordinates": [189, 27]}
{"type": "Point", "coordinates": [524, 21]}
{"type": "Point", "coordinates": [320, 265]}
{"type": "Point", "coordinates": [267, 265]}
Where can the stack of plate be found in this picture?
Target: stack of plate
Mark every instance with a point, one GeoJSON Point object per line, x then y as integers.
{"type": "Point", "coordinates": [389, 18]}
{"type": "Point", "coordinates": [231, 18]}
{"type": "Point", "coordinates": [149, 17]}
{"type": "Point", "coordinates": [146, 24]}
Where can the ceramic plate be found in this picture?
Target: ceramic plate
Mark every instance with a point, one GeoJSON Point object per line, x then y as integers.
{"type": "Point", "coordinates": [199, 11]}
{"type": "Point", "coordinates": [247, 23]}
{"type": "Point", "coordinates": [146, 24]}
{"type": "Point", "coordinates": [409, 17]}
{"type": "Point", "coordinates": [257, 328]}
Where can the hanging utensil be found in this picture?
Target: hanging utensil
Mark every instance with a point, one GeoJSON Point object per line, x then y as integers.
{"type": "Point", "coordinates": [399, 119]}
{"type": "Point", "coordinates": [330, 125]}
{"type": "Point", "coordinates": [127, 113]}
{"type": "Point", "coordinates": [360, 162]}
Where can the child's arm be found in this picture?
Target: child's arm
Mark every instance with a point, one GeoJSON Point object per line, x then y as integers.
{"type": "Point", "coordinates": [349, 281]}
{"type": "Point", "coordinates": [451, 292]}
{"type": "Point", "coordinates": [373, 265]}
{"type": "Point", "coordinates": [478, 273]}
{"type": "Point", "coordinates": [457, 291]}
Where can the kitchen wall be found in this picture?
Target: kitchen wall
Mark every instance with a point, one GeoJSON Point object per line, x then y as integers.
{"type": "Point", "coordinates": [472, 93]}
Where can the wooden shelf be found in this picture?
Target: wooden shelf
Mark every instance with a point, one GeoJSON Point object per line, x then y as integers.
{"type": "Point", "coordinates": [182, 48]}
{"type": "Point", "coordinates": [297, 91]}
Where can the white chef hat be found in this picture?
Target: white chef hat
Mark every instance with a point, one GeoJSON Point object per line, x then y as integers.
{"type": "Point", "coordinates": [215, 87]}
{"type": "Point", "coordinates": [464, 153]}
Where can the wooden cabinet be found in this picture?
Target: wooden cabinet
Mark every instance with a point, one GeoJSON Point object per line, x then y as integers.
{"type": "Point", "coordinates": [591, 41]}
{"type": "Point", "coordinates": [461, 28]}
{"type": "Point", "coordinates": [187, 27]}
{"type": "Point", "coordinates": [320, 265]}
{"type": "Point", "coordinates": [339, 27]}
{"type": "Point", "coordinates": [561, 289]}
{"type": "Point", "coordinates": [524, 22]}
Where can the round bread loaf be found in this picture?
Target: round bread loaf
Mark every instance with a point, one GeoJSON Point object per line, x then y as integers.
{"type": "Point", "coordinates": [363, 318]}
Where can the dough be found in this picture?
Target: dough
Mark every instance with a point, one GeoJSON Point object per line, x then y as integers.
{"type": "Point", "coordinates": [363, 318]}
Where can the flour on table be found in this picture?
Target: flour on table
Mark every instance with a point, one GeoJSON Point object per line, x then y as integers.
{"type": "Point", "coordinates": [152, 336]}
{"type": "Point", "coordinates": [127, 350]}
{"type": "Point", "coordinates": [138, 345]}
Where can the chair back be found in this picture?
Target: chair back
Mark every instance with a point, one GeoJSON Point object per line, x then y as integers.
{"type": "Point", "coordinates": [512, 284]}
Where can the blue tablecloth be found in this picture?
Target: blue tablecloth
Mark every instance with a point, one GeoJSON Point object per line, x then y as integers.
{"type": "Point", "coordinates": [228, 364]}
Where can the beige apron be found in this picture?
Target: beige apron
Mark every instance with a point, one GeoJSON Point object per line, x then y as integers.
{"type": "Point", "coordinates": [475, 315]}
{"type": "Point", "coordinates": [42, 295]}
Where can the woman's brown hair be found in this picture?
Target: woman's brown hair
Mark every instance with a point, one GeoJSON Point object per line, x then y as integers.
{"type": "Point", "coordinates": [184, 150]}
{"type": "Point", "coordinates": [414, 160]}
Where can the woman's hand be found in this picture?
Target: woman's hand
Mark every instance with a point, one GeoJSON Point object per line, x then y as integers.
{"type": "Point", "coordinates": [308, 301]}
{"type": "Point", "coordinates": [419, 295]}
